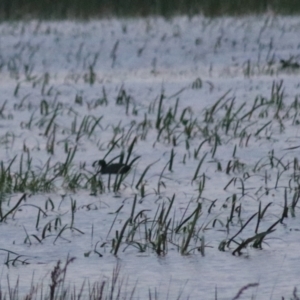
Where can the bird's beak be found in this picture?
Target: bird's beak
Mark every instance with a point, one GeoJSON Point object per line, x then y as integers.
{"type": "Point", "coordinates": [96, 162]}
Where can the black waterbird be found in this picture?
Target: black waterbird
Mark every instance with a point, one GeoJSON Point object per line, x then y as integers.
{"type": "Point", "coordinates": [111, 168]}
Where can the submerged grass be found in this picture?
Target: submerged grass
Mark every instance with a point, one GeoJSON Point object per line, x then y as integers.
{"type": "Point", "coordinates": [223, 120]}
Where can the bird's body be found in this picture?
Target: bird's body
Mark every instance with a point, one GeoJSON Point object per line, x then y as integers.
{"type": "Point", "coordinates": [112, 168]}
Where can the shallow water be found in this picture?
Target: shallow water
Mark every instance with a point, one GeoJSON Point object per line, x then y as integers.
{"type": "Point", "coordinates": [148, 57]}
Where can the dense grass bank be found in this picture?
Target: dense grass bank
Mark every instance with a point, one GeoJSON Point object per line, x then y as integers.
{"type": "Point", "coordinates": [18, 9]}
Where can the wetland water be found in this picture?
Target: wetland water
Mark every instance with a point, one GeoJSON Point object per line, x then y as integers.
{"type": "Point", "coordinates": [208, 110]}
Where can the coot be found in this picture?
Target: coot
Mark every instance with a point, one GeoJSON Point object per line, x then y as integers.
{"type": "Point", "coordinates": [112, 168]}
